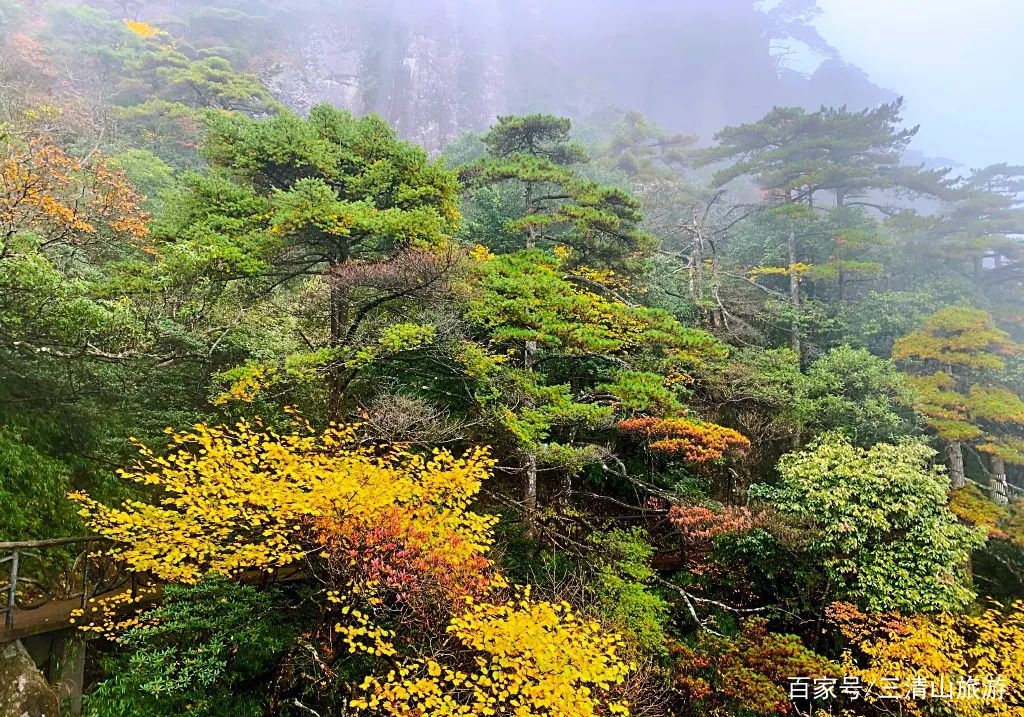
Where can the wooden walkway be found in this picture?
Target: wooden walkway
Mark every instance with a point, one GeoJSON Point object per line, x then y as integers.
{"type": "Point", "coordinates": [52, 616]}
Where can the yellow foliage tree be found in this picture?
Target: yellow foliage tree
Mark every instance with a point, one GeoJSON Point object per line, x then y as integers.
{"type": "Point", "coordinates": [524, 658]}
{"type": "Point", "coordinates": [141, 29]}
{"type": "Point", "coordinates": [392, 535]}
{"type": "Point", "coordinates": [970, 665]}
{"type": "Point", "coordinates": [245, 497]}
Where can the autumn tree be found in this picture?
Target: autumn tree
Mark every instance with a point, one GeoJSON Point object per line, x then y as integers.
{"type": "Point", "coordinates": [970, 662]}
{"type": "Point", "coordinates": [395, 540]}
{"type": "Point", "coordinates": [68, 227]}
{"type": "Point", "coordinates": [958, 359]}
{"type": "Point", "coordinates": [246, 497]}
{"type": "Point", "coordinates": [524, 657]}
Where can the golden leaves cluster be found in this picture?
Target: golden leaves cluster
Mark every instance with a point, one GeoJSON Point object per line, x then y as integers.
{"type": "Point", "coordinates": [522, 657]}
{"type": "Point", "coordinates": [399, 546]}
{"type": "Point", "coordinates": [945, 646]}
{"type": "Point", "coordinates": [59, 197]}
{"type": "Point", "coordinates": [245, 497]}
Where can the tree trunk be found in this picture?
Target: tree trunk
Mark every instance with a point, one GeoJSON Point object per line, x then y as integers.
{"type": "Point", "coordinates": [955, 457]}
{"type": "Point", "coordinates": [697, 275]}
{"type": "Point", "coordinates": [794, 294]}
{"type": "Point", "coordinates": [529, 355]}
{"type": "Point", "coordinates": [717, 313]}
{"type": "Point", "coordinates": [565, 494]}
{"type": "Point", "coordinates": [335, 377]}
{"type": "Point", "coordinates": [530, 492]}
{"type": "Point", "coordinates": [997, 485]}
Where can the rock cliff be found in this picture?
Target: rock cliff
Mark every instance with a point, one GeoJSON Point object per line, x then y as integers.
{"type": "Point", "coordinates": [435, 68]}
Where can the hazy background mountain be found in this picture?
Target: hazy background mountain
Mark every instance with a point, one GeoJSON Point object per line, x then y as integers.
{"type": "Point", "coordinates": [435, 68]}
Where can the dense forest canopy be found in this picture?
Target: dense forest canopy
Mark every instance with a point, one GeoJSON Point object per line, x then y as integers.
{"type": "Point", "coordinates": [554, 415]}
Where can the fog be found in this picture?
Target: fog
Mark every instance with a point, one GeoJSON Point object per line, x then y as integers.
{"type": "Point", "coordinates": [508, 357]}
{"type": "Point", "coordinates": [438, 67]}
{"type": "Point", "coordinates": [957, 64]}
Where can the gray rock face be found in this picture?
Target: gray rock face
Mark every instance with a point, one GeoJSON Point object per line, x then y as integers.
{"type": "Point", "coordinates": [23, 690]}
{"type": "Point", "coordinates": [436, 68]}
{"type": "Point", "coordinates": [433, 69]}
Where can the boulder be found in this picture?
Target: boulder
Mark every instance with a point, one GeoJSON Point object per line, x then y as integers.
{"type": "Point", "coordinates": [24, 691]}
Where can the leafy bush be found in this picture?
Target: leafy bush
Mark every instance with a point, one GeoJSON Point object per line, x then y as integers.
{"type": "Point", "coordinates": [887, 538]}
{"type": "Point", "coordinates": [208, 650]}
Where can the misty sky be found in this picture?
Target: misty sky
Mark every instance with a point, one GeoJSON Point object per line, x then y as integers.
{"type": "Point", "coordinates": [958, 63]}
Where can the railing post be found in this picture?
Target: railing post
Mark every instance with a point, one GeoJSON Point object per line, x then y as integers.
{"type": "Point", "coordinates": [85, 575]}
{"type": "Point", "coordinates": [12, 591]}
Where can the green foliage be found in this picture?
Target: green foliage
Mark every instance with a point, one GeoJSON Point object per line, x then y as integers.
{"type": "Point", "coordinates": [527, 311]}
{"type": "Point", "coordinates": [331, 216]}
{"type": "Point", "coordinates": [314, 262]}
{"type": "Point", "coordinates": [621, 587]}
{"type": "Point", "coordinates": [857, 394]}
{"type": "Point", "coordinates": [206, 650]}
{"type": "Point", "coordinates": [170, 75]}
{"type": "Point", "coordinates": [878, 318]}
{"type": "Point", "coordinates": [643, 392]}
{"type": "Point", "coordinates": [33, 490]}
{"type": "Point", "coordinates": [150, 175]}
{"type": "Point", "coordinates": [887, 539]}
{"type": "Point", "coordinates": [535, 135]}
{"type": "Point", "coordinates": [335, 179]}
{"type": "Point", "coordinates": [526, 296]}
{"type": "Point", "coordinates": [549, 204]}
{"type": "Point", "coordinates": [832, 149]}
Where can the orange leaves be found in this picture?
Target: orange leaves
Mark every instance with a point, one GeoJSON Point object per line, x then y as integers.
{"type": "Point", "coordinates": [974, 508]}
{"type": "Point", "coordinates": [61, 198]}
{"type": "Point", "coordinates": [423, 559]}
{"type": "Point", "coordinates": [745, 673]}
{"type": "Point", "coordinates": [694, 441]}
{"type": "Point", "coordinates": [699, 527]}
{"type": "Point", "coordinates": [699, 523]}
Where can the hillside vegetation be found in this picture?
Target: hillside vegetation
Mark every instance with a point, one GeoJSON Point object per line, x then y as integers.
{"type": "Point", "coordinates": [572, 419]}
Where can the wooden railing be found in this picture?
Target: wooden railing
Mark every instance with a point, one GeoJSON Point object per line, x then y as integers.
{"type": "Point", "coordinates": [79, 576]}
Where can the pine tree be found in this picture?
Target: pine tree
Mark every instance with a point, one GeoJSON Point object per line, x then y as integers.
{"type": "Point", "coordinates": [291, 199]}
{"type": "Point", "coordinates": [533, 157]}
{"type": "Point", "coordinates": [795, 157]}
